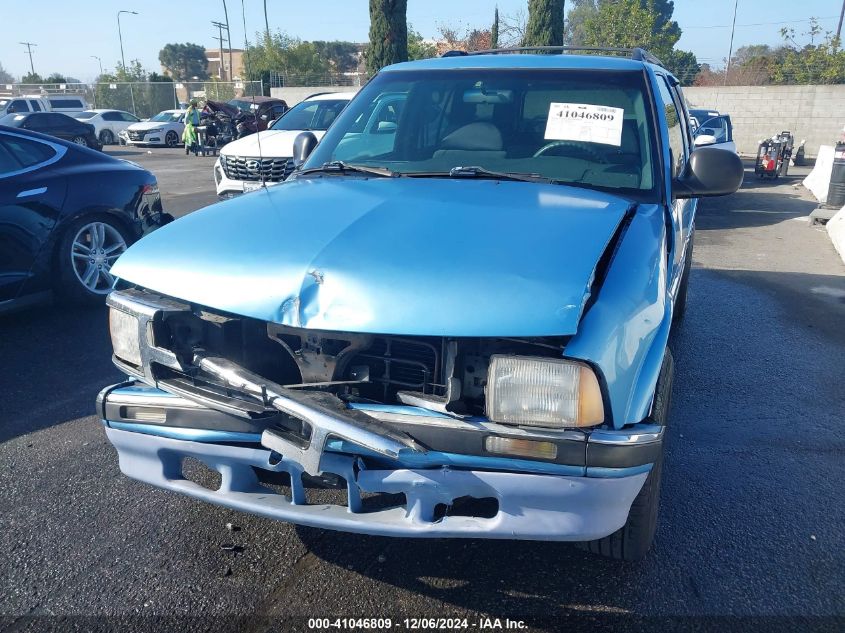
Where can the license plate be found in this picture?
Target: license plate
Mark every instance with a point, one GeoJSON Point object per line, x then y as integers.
{"type": "Point", "coordinates": [251, 186]}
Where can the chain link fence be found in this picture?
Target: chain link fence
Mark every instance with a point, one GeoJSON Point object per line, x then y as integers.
{"type": "Point", "coordinates": [285, 80]}
{"type": "Point", "coordinates": [142, 98]}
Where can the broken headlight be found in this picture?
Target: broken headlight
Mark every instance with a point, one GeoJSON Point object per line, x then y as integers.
{"type": "Point", "coordinates": [123, 328]}
{"type": "Point", "coordinates": [548, 392]}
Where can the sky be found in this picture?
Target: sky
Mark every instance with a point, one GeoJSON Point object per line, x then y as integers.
{"type": "Point", "coordinates": [68, 34]}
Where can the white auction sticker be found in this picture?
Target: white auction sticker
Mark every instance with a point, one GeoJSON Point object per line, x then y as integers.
{"type": "Point", "coordinates": [585, 122]}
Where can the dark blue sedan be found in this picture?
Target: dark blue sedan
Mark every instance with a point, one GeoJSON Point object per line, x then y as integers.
{"type": "Point", "coordinates": [66, 214]}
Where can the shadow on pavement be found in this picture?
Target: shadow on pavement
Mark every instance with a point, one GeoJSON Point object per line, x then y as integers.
{"type": "Point", "coordinates": [55, 359]}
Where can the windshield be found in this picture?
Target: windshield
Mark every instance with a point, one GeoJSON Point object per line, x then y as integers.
{"type": "Point", "coordinates": [589, 128]}
{"type": "Point", "coordinates": [311, 115]}
{"type": "Point", "coordinates": [84, 115]}
{"type": "Point", "coordinates": [167, 117]}
{"type": "Point", "coordinates": [243, 106]}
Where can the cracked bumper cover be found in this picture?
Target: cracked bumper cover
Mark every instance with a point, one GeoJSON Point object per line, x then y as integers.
{"type": "Point", "coordinates": [531, 507]}
{"type": "Point", "coordinates": [536, 500]}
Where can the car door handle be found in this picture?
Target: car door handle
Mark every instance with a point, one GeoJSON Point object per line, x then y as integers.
{"type": "Point", "coordinates": [32, 192]}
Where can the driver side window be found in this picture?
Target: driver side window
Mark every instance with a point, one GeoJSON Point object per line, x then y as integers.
{"type": "Point", "coordinates": [675, 128]}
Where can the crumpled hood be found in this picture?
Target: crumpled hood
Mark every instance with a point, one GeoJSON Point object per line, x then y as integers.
{"type": "Point", "coordinates": [274, 144]}
{"type": "Point", "coordinates": [445, 257]}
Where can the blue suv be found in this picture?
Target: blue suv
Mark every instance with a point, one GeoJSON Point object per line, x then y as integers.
{"type": "Point", "coordinates": [454, 314]}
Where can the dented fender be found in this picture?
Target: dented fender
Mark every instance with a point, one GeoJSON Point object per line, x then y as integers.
{"type": "Point", "coordinates": [624, 332]}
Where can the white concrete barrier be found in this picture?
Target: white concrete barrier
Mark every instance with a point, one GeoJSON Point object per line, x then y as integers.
{"type": "Point", "coordinates": [836, 230]}
{"type": "Point", "coordinates": [818, 181]}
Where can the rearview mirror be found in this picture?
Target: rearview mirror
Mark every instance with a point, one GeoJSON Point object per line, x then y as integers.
{"type": "Point", "coordinates": [303, 145]}
{"type": "Point", "coordinates": [709, 172]}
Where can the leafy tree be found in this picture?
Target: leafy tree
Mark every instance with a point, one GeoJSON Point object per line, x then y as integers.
{"type": "Point", "coordinates": [32, 78]}
{"type": "Point", "coordinates": [388, 34]}
{"type": "Point", "coordinates": [470, 40]}
{"type": "Point", "coordinates": [631, 24]}
{"type": "Point", "coordinates": [184, 61]}
{"type": "Point", "coordinates": [494, 31]}
{"type": "Point", "coordinates": [55, 78]}
{"type": "Point", "coordinates": [684, 65]}
{"type": "Point", "coordinates": [545, 23]}
{"type": "Point", "coordinates": [5, 77]}
{"type": "Point", "coordinates": [340, 57]}
{"type": "Point", "coordinates": [287, 55]}
{"type": "Point", "coordinates": [579, 12]}
{"type": "Point", "coordinates": [418, 48]}
{"type": "Point", "coordinates": [822, 63]}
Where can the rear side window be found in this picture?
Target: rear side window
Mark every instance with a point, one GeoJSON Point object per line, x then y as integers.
{"type": "Point", "coordinates": [112, 116]}
{"type": "Point", "coordinates": [19, 153]}
{"type": "Point", "coordinates": [36, 107]}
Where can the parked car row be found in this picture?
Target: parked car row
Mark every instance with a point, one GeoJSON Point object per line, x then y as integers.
{"type": "Point", "coordinates": [57, 125]}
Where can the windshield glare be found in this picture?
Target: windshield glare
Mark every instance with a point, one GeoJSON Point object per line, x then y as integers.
{"type": "Point", "coordinates": [167, 117]}
{"type": "Point", "coordinates": [311, 115]}
{"type": "Point", "coordinates": [590, 128]}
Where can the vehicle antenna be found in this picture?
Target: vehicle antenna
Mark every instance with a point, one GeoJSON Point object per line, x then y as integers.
{"type": "Point", "coordinates": [254, 107]}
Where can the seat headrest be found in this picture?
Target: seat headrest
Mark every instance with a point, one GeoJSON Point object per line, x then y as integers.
{"type": "Point", "coordinates": [479, 136]}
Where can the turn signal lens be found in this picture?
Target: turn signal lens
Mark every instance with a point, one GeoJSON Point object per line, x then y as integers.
{"type": "Point", "coordinates": [547, 392]}
{"type": "Point", "coordinates": [520, 448]}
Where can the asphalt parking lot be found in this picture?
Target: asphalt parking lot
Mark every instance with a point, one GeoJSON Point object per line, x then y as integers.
{"type": "Point", "coordinates": [751, 532]}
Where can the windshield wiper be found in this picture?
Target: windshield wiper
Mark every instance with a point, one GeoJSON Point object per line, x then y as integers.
{"type": "Point", "coordinates": [338, 166]}
{"type": "Point", "coordinates": [481, 172]}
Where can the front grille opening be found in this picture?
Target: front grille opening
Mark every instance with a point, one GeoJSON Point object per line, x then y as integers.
{"type": "Point", "coordinates": [329, 489]}
{"type": "Point", "coordinates": [276, 482]}
{"type": "Point", "coordinates": [377, 501]}
{"type": "Point", "coordinates": [397, 364]}
{"type": "Point", "coordinates": [196, 471]}
{"type": "Point", "coordinates": [480, 508]}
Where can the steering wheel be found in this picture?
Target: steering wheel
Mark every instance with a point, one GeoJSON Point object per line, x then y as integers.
{"type": "Point", "coordinates": [578, 148]}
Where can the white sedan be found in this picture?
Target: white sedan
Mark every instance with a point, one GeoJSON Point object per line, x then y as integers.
{"type": "Point", "coordinates": [108, 124]}
{"type": "Point", "coordinates": [165, 128]}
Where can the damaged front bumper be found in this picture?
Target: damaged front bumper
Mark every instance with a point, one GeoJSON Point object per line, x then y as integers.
{"type": "Point", "coordinates": [584, 493]}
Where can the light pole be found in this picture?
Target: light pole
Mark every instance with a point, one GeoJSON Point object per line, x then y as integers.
{"type": "Point", "coordinates": [123, 60]}
{"type": "Point", "coordinates": [100, 61]}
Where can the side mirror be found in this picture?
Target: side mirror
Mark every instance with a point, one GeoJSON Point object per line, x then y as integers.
{"type": "Point", "coordinates": [303, 145]}
{"type": "Point", "coordinates": [704, 140]}
{"type": "Point", "coordinates": [709, 172]}
{"type": "Point", "coordinates": [265, 117]}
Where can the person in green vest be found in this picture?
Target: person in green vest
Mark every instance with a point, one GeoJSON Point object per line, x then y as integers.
{"type": "Point", "coordinates": [192, 120]}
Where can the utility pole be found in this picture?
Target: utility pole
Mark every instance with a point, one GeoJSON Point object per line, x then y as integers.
{"type": "Point", "coordinates": [29, 46]}
{"type": "Point", "coordinates": [229, 35]}
{"type": "Point", "coordinates": [731, 50]}
{"type": "Point", "coordinates": [839, 28]}
{"type": "Point", "coordinates": [220, 26]}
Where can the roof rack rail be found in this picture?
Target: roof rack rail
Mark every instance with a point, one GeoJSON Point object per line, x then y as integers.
{"type": "Point", "coordinates": [638, 54]}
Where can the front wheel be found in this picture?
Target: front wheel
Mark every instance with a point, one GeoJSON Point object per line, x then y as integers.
{"type": "Point", "coordinates": [80, 140]}
{"type": "Point", "coordinates": [106, 137]}
{"type": "Point", "coordinates": [632, 541]}
{"type": "Point", "coordinates": [171, 139]}
{"type": "Point", "coordinates": [85, 256]}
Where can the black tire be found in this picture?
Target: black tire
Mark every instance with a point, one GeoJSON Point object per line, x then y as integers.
{"type": "Point", "coordinates": [80, 140]}
{"type": "Point", "coordinates": [681, 300]}
{"type": "Point", "coordinates": [633, 540]}
{"type": "Point", "coordinates": [106, 137]}
{"type": "Point", "coordinates": [171, 139]}
{"type": "Point", "coordinates": [68, 286]}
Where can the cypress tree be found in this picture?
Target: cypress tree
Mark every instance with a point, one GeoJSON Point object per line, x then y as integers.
{"type": "Point", "coordinates": [388, 34]}
{"type": "Point", "coordinates": [545, 23]}
{"type": "Point", "coordinates": [494, 32]}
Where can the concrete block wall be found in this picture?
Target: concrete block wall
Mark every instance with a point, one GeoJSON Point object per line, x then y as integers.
{"type": "Point", "coordinates": [814, 113]}
{"type": "Point", "coordinates": [294, 94]}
